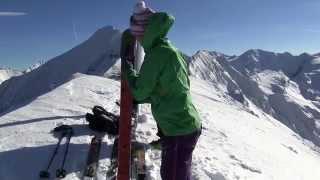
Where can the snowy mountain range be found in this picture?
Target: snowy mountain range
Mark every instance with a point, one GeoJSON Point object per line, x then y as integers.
{"type": "Point", "coordinates": [91, 57]}
{"type": "Point", "coordinates": [280, 84]}
{"type": "Point", "coordinates": [260, 112]}
{"type": "Point", "coordinates": [34, 66]}
{"type": "Point", "coordinates": [6, 73]}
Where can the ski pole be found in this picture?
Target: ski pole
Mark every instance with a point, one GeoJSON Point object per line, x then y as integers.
{"type": "Point", "coordinates": [45, 173]}
{"type": "Point", "coordinates": [61, 172]}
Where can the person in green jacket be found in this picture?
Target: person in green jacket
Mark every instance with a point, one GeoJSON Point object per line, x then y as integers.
{"type": "Point", "coordinates": [163, 81]}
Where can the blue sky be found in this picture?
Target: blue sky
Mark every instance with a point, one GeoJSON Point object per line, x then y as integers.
{"type": "Point", "coordinates": [33, 30]}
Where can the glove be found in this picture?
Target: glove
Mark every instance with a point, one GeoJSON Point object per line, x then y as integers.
{"type": "Point", "coordinates": [127, 43]}
{"type": "Point", "coordinates": [127, 65]}
{"type": "Point", "coordinates": [127, 70]}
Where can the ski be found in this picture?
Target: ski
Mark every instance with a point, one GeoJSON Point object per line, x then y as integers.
{"type": "Point", "coordinates": [112, 169]}
{"type": "Point", "coordinates": [138, 168]}
{"type": "Point", "coordinates": [126, 107]}
{"type": "Point", "coordinates": [131, 52]}
{"type": "Point", "coordinates": [91, 168]}
{"type": "Point", "coordinates": [138, 160]}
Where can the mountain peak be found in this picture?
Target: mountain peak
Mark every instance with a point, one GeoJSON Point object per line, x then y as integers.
{"type": "Point", "coordinates": [104, 33]}
{"type": "Point", "coordinates": [258, 53]}
{"type": "Point", "coordinates": [306, 55]}
{"type": "Point", "coordinates": [106, 29]}
{"type": "Point", "coordinates": [4, 68]}
{"type": "Point", "coordinates": [210, 53]}
{"type": "Point", "coordinates": [263, 53]}
{"type": "Point", "coordinates": [256, 60]}
{"type": "Point", "coordinates": [7, 73]}
{"type": "Point", "coordinates": [318, 55]}
{"type": "Point", "coordinates": [34, 66]}
{"type": "Point", "coordinates": [9, 69]}
{"type": "Point", "coordinates": [93, 56]}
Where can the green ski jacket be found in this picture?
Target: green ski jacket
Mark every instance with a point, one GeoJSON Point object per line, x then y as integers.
{"type": "Point", "coordinates": [163, 80]}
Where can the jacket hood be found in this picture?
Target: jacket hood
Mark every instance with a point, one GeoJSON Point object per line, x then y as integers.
{"type": "Point", "coordinates": [158, 28]}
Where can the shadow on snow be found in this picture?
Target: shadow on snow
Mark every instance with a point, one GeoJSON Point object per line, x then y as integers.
{"type": "Point", "coordinates": [27, 162]}
{"type": "Point", "coordinates": [23, 122]}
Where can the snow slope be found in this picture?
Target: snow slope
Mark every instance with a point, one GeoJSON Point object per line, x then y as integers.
{"type": "Point", "coordinates": [258, 60]}
{"type": "Point", "coordinates": [255, 109]}
{"type": "Point", "coordinates": [235, 144]}
{"type": "Point", "coordinates": [207, 66]}
{"type": "Point", "coordinates": [93, 56]}
{"type": "Point", "coordinates": [282, 85]}
{"type": "Point", "coordinates": [293, 85]}
{"type": "Point", "coordinates": [6, 74]}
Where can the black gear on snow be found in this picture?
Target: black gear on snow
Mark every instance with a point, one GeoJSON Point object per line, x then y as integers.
{"type": "Point", "coordinates": [103, 121]}
{"type": "Point", "coordinates": [61, 172]}
{"type": "Point", "coordinates": [63, 131]}
{"type": "Point", "coordinates": [93, 157]}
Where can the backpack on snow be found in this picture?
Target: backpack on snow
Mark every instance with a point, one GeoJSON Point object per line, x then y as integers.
{"type": "Point", "coordinates": [103, 121]}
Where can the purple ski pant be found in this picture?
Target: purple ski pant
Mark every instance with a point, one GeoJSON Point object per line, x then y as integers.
{"type": "Point", "coordinates": [177, 156]}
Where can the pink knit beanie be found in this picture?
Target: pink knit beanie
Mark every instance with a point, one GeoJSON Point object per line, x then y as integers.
{"type": "Point", "coordinates": [139, 19]}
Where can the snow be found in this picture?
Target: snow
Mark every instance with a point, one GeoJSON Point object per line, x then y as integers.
{"type": "Point", "coordinates": [25, 133]}
{"type": "Point", "coordinates": [260, 113]}
{"type": "Point", "coordinates": [235, 144]}
{"type": "Point", "coordinates": [6, 74]}
{"type": "Point", "coordinates": [269, 81]}
{"type": "Point", "coordinates": [34, 66]}
{"type": "Point", "coordinates": [311, 74]}
{"type": "Point", "coordinates": [243, 146]}
{"type": "Point", "coordinates": [282, 85]}
{"type": "Point", "coordinates": [207, 66]}
{"type": "Point", "coordinates": [93, 56]}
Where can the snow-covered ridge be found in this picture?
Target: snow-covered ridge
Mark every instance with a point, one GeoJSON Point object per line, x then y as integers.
{"type": "Point", "coordinates": [34, 66]}
{"type": "Point", "coordinates": [7, 73]}
{"type": "Point", "coordinates": [258, 60]}
{"type": "Point", "coordinates": [94, 56]}
{"type": "Point", "coordinates": [235, 96]}
{"type": "Point", "coordinates": [210, 66]}
{"type": "Point", "coordinates": [282, 85]}
{"type": "Point", "coordinates": [235, 144]}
